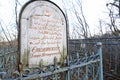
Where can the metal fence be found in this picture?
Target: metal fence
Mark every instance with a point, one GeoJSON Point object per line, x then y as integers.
{"type": "Point", "coordinates": [81, 64]}
{"type": "Point", "coordinates": [8, 62]}
{"type": "Point", "coordinates": [84, 62]}
{"type": "Point", "coordinates": [110, 52]}
{"type": "Point", "coordinates": [78, 67]}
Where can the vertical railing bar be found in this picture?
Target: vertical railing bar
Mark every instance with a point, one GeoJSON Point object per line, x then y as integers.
{"type": "Point", "coordinates": [3, 55]}
{"type": "Point", "coordinates": [116, 59]}
{"type": "Point", "coordinates": [86, 67]}
{"type": "Point", "coordinates": [110, 64]}
{"type": "Point", "coordinates": [78, 68]}
{"type": "Point", "coordinates": [99, 45]}
{"type": "Point", "coordinates": [93, 72]}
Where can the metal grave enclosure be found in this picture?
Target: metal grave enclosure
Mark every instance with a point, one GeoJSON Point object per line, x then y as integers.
{"type": "Point", "coordinates": [46, 53]}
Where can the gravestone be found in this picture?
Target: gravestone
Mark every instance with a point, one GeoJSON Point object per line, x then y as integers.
{"type": "Point", "coordinates": [43, 29]}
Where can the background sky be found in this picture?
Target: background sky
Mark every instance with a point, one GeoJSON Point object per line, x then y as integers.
{"type": "Point", "coordinates": [93, 10]}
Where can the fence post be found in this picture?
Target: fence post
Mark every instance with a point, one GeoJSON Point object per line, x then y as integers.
{"type": "Point", "coordinates": [99, 46]}
{"type": "Point", "coordinates": [68, 72]}
{"type": "Point", "coordinates": [3, 54]}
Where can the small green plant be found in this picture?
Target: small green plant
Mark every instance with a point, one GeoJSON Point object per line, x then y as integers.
{"type": "Point", "coordinates": [63, 56]}
{"type": "Point", "coordinates": [26, 56]}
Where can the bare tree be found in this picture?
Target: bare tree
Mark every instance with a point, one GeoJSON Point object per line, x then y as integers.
{"type": "Point", "coordinates": [100, 27]}
{"type": "Point", "coordinates": [3, 30]}
{"type": "Point", "coordinates": [114, 14]}
{"type": "Point", "coordinates": [81, 27]}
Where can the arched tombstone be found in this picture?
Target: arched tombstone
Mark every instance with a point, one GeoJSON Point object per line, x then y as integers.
{"type": "Point", "coordinates": [43, 29]}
